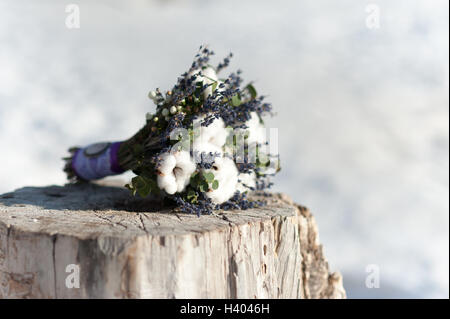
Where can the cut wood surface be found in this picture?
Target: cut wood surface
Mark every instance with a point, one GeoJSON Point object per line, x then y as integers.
{"type": "Point", "coordinates": [126, 247]}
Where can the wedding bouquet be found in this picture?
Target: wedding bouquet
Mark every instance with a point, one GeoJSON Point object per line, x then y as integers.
{"type": "Point", "coordinates": [205, 147]}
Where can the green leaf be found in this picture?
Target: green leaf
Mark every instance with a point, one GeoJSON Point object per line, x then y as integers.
{"type": "Point", "coordinates": [141, 185]}
{"type": "Point", "coordinates": [194, 179]}
{"type": "Point", "coordinates": [192, 196]}
{"type": "Point", "coordinates": [153, 186]}
{"type": "Point", "coordinates": [236, 100]}
{"type": "Point", "coordinates": [190, 193]}
{"type": "Point", "coordinates": [198, 88]}
{"type": "Point", "coordinates": [136, 181]}
{"type": "Point", "coordinates": [251, 89]}
{"type": "Point", "coordinates": [214, 86]}
{"type": "Point", "coordinates": [204, 187]}
{"type": "Point", "coordinates": [144, 191]}
{"type": "Point", "coordinates": [215, 184]}
{"type": "Point", "coordinates": [209, 177]}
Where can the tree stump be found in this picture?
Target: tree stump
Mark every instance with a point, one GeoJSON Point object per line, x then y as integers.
{"type": "Point", "coordinates": [97, 241]}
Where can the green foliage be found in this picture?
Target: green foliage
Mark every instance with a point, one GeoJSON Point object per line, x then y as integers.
{"type": "Point", "coordinates": [198, 88]}
{"type": "Point", "coordinates": [208, 176]}
{"type": "Point", "coordinates": [236, 100]}
{"type": "Point", "coordinates": [214, 86]}
{"type": "Point", "coordinates": [192, 196]}
{"type": "Point", "coordinates": [188, 97]}
{"type": "Point", "coordinates": [251, 89]}
{"type": "Point", "coordinates": [143, 186]}
{"type": "Point", "coordinates": [204, 181]}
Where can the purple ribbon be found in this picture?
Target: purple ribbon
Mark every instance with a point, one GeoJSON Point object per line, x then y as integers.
{"type": "Point", "coordinates": [95, 166]}
{"type": "Point", "coordinates": [115, 167]}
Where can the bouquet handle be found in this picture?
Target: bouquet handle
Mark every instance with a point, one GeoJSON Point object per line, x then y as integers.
{"type": "Point", "coordinates": [94, 161]}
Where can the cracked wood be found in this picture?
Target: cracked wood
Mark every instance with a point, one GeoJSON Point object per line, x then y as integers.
{"type": "Point", "coordinates": [135, 248]}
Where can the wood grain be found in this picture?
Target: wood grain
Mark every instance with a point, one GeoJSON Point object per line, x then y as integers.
{"type": "Point", "coordinates": [128, 247]}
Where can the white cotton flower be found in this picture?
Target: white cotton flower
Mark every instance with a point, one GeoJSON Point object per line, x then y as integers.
{"type": "Point", "coordinates": [254, 134]}
{"type": "Point", "coordinates": [208, 76]}
{"type": "Point", "coordinates": [215, 133]}
{"type": "Point", "coordinates": [255, 130]}
{"type": "Point", "coordinates": [210, 151]}
{"type": "Point", "coordinates": [229, 149]}
{"type": "Point", "coordinates": [246, 181]}
{"type": "Point", "coordinates": [202, 147]}
{"type": "Point", "coordinates": [174, 171]}
{"type": "Point", "coordinates": [226, 173]}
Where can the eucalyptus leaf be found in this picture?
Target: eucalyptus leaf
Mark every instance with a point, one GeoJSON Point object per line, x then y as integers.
{"type": "Point", "coordinates": [251, 89]}
{"type": "Point", "coordinates": [209, 177]}
{"type": "Point", "coordinates": [204, 187]}
{"type": "Point", "coordinates": [141, 185]}
{"type": "Point", "coordinates": [144, 191]}
{"type": "Point", "coordinates": [236, 100]}
{"type": "Point", "coordinates": [214, 86]}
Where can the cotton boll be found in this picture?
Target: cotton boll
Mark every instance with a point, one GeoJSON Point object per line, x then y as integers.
{"type": "Point", "coordinates": [246, 181]}
{"type": "Point", "coordinates": [202, 147]}
{"type": "Point", "coordinates": [167, 183]}
{"type": "Point", "coordinates": [183, 170]}
{"type": "Point", "coordinates": [215, 133]}
{"type": "Point", "coordinates": [166, 179]}
{"type": "Point", "coordinates": [174, 171]}
{"type": "Point", "coordinates": [167, 163]}
{"type": "Point", "coordinates": [208, 76]}
{"type": "Point", "coordinates": [253, 135]}
{"type": "Point", "coordinates": [209, 150]}
{"type": "Point", "coordinates": [226, 173]}
{"type": "Point", "coordinates": [255, 130]}
{"type": "Point", "coordinates": [229, 149]}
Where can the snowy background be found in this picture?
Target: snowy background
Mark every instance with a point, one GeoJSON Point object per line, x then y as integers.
{"type": "Point", "coordinates": [363, 113]}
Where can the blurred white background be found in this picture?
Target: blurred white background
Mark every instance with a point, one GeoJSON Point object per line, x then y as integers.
{"type": "Point", "coordinates": [363, 113]}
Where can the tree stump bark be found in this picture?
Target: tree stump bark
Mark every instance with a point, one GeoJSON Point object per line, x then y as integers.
{"type": "Point", "coordinates": [94, 241]}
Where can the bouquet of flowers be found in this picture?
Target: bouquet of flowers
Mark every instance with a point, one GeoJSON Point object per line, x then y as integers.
{"type": "Point", "coordinates": [204, 148]}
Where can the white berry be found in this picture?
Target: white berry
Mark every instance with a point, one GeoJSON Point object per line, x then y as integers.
{"type": "Point", "coordinates": [152, 95]}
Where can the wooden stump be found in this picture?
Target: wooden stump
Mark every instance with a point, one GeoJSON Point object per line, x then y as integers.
{"type": "Point", "coordinates": [93, 241]}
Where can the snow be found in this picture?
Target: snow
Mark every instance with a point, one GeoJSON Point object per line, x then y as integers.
{"type": "Point", "coordinates": [362, 113]}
